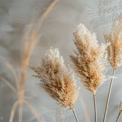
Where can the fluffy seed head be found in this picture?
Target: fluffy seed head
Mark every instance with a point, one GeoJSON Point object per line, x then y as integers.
{"type": "Point", "coordinates": [56, 79]}
{"type": "Point", "coordinates": [114, 49]}
{"type": "Point", "coordinates": [88, 61]}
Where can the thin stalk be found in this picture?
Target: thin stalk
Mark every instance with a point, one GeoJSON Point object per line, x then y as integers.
{"type": "Point", "coordinates": [95, 107]}
{"type": "Point", "coordinates": [13, 110]}
{"type": "Point", "coordinates": [118, 116]}
{"type": "Point", "coordinates": [20, 112]}
{"type": "Point", "coordinates": [76, 118]}
{"type": "Point", "coordinates": [108, 97]}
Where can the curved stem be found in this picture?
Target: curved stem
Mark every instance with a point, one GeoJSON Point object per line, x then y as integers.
{"type": "Point", "coordinates": [13, 111]}
{"type": "Point", "coordinates": [108, 97]}
{"type": "Point", "coordinates": [27, 53]}
{"type": "Point", "coordinates": [76, 118]}
{"type": "Point", "coordinates": [95, 107]}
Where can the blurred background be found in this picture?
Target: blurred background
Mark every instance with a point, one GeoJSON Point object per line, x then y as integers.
{"type": "Point", "coordinates": [56, 31]}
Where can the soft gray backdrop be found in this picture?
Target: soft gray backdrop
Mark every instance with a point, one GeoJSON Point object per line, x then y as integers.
{"type": "Point", "coordinates": [15, 15]}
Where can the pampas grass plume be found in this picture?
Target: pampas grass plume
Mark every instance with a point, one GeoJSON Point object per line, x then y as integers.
{"type": "Point", "coordinates": [56, 79]}
{"type": "Point", "coordinates": [115, 47]}
{"type": "Point", "coordinates": [89, 59]}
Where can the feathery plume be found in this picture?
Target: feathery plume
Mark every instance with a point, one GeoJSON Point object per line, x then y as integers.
{"type": "Point", "coordinates": [56, 79]}
{"type": "Point", "coordinates": [114, 49]}
{"type": "Point", "coordinates": [89, 59]}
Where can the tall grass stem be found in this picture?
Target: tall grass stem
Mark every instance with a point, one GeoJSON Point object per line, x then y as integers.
{"type": "Point", "coordinates": [118, 116]}
{"type": "Point", "coordinates": [95, 107]}
{"type": "Point", "coordinates": [108, 97]}
{"type": "Point", "coordinates": [75, 115]}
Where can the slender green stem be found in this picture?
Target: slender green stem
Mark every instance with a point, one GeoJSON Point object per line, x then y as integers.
{"type": "Point", "coordinates": [95, 107]}
{"type": "Point", "coordinates": [76, 118]}
{"type": "Point", "coordinates": [118, 116]}
{"type": "Point", "coordinates": [108, 97]}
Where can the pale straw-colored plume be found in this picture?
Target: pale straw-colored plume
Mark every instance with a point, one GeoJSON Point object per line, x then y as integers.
{"type": "Point", "coordinates": [89, 59]}
{"type": "Point", "coordinates": [56, 79]}
{"type": "Point", "coordinates": [115, 47]}
{"type": "Point", "coordinates": [114, 50]}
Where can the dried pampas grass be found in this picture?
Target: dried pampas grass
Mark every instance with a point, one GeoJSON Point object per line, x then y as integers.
{"type": "Point", "coordinates": [114, 50]}
{"type": "Point", "coordinates": [115, 47]}
{"type": "Point", "coordinates": [89, 59]}
{"type": "Point", "coordinates": [56, 79]}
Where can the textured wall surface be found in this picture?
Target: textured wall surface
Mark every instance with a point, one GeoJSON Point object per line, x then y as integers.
{"type": "Point", "coordinates": [57, 29]}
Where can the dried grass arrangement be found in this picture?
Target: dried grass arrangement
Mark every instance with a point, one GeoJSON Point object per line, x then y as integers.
{"type": "Point", "coordinates": [88, 61]}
